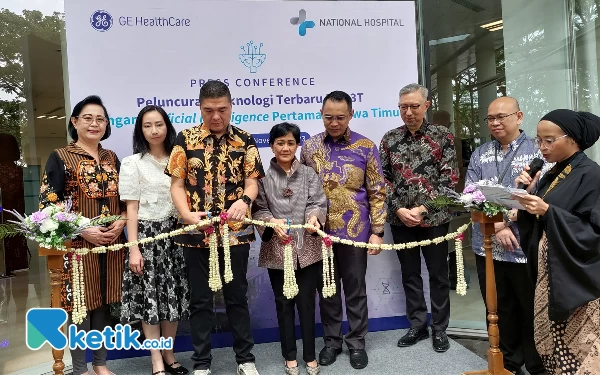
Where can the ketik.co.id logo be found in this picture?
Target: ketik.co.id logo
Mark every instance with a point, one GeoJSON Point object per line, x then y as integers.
{"type": "Point", "coordinates": [44, 325]}
{"type": "Point", "coordinates": [302, 23]}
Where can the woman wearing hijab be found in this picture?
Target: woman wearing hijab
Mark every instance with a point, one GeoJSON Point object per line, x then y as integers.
{"type": "Point", "coordinates": [560, 233]}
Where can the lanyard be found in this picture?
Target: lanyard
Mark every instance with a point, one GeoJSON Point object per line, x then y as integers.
{"type": "Point", "coordinates": [501, 176]}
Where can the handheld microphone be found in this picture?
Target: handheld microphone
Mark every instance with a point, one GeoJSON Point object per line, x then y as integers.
{"type": "Point", "coordinates": [534, 167]}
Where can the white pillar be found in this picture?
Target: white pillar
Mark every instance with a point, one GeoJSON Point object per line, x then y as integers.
{"type": "Point", "coordinates": [485, 65]}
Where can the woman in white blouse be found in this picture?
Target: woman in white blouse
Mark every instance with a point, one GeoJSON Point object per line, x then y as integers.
{"type": "Point", "coordinates": [155, 288]}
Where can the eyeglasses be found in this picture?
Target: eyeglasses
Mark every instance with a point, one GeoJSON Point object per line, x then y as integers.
{"type": "Point", "coordinates": [88, 119]}
{"type": "Point", "coordinates": [548, 143]}
{"type": "Point", "coordinates": [341, 118]}
{"type": "Point", "coordinates": [413, 107]}
{"type": "Point", "coordinates": [499, 118]}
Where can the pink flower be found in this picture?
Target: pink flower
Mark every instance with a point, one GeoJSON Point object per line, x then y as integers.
{"type": "Point", "coordinates": [460, 237]}
{"type": "Point", "coordinates": [210, 230]}
{"type": "Point", "coordinates": [287, 240]}
{"type": "Point", "coordinates": [223, 216]}
{"type": "Point", "coordinates": [327, 241]}
{"type": "Point", "coordinates": [78, 257]}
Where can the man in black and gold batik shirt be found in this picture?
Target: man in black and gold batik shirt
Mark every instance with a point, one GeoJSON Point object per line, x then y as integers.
{"type": "Point", "coordinates": [215, 168]}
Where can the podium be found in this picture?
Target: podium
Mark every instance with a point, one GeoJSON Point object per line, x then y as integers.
{"type": "Point", "coordinates": [495, 358]}
{"type": "Point", "coordinates": [55, 266]}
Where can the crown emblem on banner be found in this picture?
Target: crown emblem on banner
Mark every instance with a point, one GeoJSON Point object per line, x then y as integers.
{"type": "Point", "coordinates": [252, 58]}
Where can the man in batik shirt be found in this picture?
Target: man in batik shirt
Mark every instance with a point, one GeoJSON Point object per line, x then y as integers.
{"type": "Point", "coordinates": [419, 162]}
{"type": "Point", "coordinates": [501, 161]}
{"type": "Point", "coordinates": [214, 168]}
{"type": "Point", "coordinates": [348, 163]}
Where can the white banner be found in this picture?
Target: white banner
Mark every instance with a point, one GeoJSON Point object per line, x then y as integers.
{"type": "Point", "coordinates": [279, 59]}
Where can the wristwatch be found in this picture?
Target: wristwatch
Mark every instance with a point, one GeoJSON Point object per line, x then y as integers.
{"type": "Point", "coordinates": [247, 199]}
{"type": "Point", "coordinates": [379, 234]}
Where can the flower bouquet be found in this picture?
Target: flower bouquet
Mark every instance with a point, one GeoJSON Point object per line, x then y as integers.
{"type": "Point", "coordinates": [52, 226]}
{"type": "Point", "coordinates": [471, 198]}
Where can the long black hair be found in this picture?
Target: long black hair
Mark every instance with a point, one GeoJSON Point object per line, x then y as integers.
{"type": "Point", "coordinates": [140, 144]}
{"type": "Point", "coordinates": [92, 99]}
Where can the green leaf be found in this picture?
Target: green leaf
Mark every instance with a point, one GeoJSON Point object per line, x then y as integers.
{"type": "Point", "coordinates": [8, 230]}
{"type": "Point", "coordinates": [442, 201]}
{"type": "Point", "coordinates": [106, 220]}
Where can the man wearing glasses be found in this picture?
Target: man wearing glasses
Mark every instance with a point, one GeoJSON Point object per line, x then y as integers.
{"type": "Point", "coordinates": [349, 165]}
{"type": "Point", "coordinates": [501, 161]}
{"type": "Point", "coordinates": [419, 162]}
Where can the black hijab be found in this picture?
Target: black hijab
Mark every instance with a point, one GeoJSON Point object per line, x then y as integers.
{"type": "Point", "coordinates": [583, 127]}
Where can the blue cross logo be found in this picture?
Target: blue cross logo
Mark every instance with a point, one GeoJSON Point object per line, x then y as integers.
{"type": "Point", "coordinates": [302, 23]}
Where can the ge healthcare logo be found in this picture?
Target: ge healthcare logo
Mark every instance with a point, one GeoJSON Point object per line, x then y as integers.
{"type": "Point", "coordinates": [302, 23]}
{"type": "Point", "coordinates": [252, 58]}
{"type": "Point", "coordinates": [101, 20]}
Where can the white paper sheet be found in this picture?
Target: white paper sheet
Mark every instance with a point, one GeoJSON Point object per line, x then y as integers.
{"type": "Point", "coordinates": [502, 195]}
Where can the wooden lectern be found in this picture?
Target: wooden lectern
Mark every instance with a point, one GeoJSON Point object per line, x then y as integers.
{"type": "Point", "coordinates": [55, 266]}
{"type": "Point", "coordinates": [495, 359]}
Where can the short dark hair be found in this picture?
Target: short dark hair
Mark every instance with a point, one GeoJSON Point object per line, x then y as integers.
{"type": "Point", "coordinates": [214, 90]}
{"type": "Point", "coordinates": [92, 99]}
{"type": "Point", "coordinates": [339, 96]}
{"type": "Point", "coordinates": [283, 129]}
{"type": "Point", "coordinates": [140, 144]}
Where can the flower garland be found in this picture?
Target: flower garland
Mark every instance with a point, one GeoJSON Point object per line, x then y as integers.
{"type": "Point", "coordinates": [214, 279]}
{"type": "Point", "coordinates": [228, 274]}
{"type": "Point", "coordinates": [461, 284]}
{"type": "Point", "coordinates": [290, 287]}
{"type": "Point", "coordinates": [328, 271]}
{"type": "Point", "coordinates": [79, 309]}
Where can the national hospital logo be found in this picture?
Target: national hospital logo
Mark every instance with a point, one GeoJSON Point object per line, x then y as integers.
{"type": "Point", "coordinates": [252, 58]}
{"type": "Point", "coordinates": [302, 23]}
{"type": "Point", "coordinates": [101, 20]}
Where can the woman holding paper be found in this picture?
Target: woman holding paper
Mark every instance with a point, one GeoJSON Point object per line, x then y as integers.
{"type": "Point", "coordinates": [560, 233]}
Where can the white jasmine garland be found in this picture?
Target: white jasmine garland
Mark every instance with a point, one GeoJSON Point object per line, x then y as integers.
{"type": "Point", "coordinates": [290, 285]}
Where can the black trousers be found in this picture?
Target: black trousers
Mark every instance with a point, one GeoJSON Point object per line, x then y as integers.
{"type": "Point", "coordinates": [350, 267]}
{"type": "Point", "coordinates": [308, 282]}
{"type": "Point", "coordinates": [201, 304]}
{"type": "Point", "coordinates": [436, 259]}
{"type": "Point", "coordinates": [515, 314]}
{"type": "Point", "coordinates": [97, 320]}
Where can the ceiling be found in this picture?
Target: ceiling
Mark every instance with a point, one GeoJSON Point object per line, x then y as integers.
{"type": "Point", "coordinates": [441, 19]}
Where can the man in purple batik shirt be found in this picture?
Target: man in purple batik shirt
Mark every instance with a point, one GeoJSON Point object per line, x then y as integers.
{"type": "Point", "coordinates": [349, 166]}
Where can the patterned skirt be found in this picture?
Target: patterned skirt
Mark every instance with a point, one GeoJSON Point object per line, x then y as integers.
{"type": "Point", "coordinates": [161, 292]}
{"type": "Point", "coordinates": [567, 347]}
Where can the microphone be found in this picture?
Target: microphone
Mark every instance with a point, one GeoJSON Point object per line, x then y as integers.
{"type": "Point", "coordinates": [534, 167]}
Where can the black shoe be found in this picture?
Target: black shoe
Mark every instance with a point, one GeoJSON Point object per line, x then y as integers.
{"type": "Point", "coordinates": [518, 372]}
{"type": "Point", "coordinates": [358, 358]}
{"type": "Point", "coordinates": [413, 336]}
{"type": "Point", "coordinates": [440, 341]}
{"type": "Point", "coordinates": [327, 356]}
{"type": "Point", "coordinates": [175, 370]}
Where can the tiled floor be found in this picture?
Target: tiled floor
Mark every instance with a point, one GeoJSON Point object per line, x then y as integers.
{"type": "Point", "coordinates": [25, 290]}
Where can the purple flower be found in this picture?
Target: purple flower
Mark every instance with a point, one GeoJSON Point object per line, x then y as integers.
{"type": "Point", "coordinates": [478, 197]}
{"type": "Point", "coordinates": [469, 189]}
{"type": "Point", "coordinates": [61, 217]}
{"type": "Point", "coordinates": [38, 217]}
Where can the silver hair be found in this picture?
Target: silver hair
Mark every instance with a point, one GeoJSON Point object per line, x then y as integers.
{"type": "Point", "coordinates": [414, 87]}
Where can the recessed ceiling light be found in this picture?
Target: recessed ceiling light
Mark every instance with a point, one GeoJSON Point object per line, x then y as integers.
{"type": "Point", "coordinates": [61, 117]}
{"type": "Point", "coordinates": [492, 24]}
{"type": "Point", "coordinates": [42, 116]}
{"type": "Point", "coordinates": [449, 39]}
{"type": "Point", "coordinates": [51, 117]}
{"type": "Point", "coordinates": [496, 28]}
